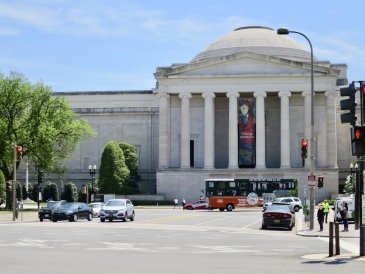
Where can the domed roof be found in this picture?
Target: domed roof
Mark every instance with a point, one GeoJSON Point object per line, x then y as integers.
{"type": "Point", "coordinates": [256, 39]}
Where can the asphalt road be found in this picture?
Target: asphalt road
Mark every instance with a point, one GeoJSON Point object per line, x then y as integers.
{"type": "Point", "coordinates": [166, 241]}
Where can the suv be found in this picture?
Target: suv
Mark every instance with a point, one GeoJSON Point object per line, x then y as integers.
{"type": "Point", "coordinates": [294, 203]}
{"type": "Point", "coordinates": [117, 209]}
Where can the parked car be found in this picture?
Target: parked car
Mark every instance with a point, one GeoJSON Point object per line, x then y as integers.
{"type": "Point", "coordinates": [46, 211]}
{"type": "Point", "coordinates": [117, 209]}
{"type": "Point", "coordinates": [201, 204]}
{"type": "Point", "coordinates": [278, 216]}
{"type": "Point", "coordinates": [95, 208]}
{"type": "Point", "coordinates": [72, 212]}
{"type": "Point", "coordinates": [294, 202]}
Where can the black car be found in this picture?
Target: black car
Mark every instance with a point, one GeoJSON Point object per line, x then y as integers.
{"type": "Point", "coordinates": [278, 216]}
{"type": "Point", "coordinates": [46, 211]}
{"type": "Point", "coordinates": [72, 212]}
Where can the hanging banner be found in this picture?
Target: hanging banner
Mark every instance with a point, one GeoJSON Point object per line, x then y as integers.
{"type": "Point", "coordinates": [246, 133]}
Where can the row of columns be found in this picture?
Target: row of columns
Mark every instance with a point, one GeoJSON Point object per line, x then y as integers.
{"type": "Point", "coordinates": [209, 121]}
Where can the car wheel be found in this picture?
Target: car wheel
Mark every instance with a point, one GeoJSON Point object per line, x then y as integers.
{"type": "Point", "coordinates": [125, 218]}
{"type": "Point", "coordinates": [40, 219]}
{"type": "Point", "coordinates": [190, 208]}
{"type": "Point", "coordinates": [290, 228]}
{"type": "Point", "coordinates": [75, 218]}
{"type": "Point", "coordinates": [263, 226]}
{"type": "Point", "coordinates": [90, 217]}
{"type": "Point", "coordinates": [296, 208]}
{"type": "Point", "coordinates": [110, 220]}
{"type": "Point", "coordinates": [132, 217]}
{"type": "Point", "coordinates": [102, 220]}
{"type": "Point", "coordinates": [229, 207]}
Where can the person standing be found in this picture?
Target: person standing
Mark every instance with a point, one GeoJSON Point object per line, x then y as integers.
{"type": "Point", "coordinates": [176, 202]}
{"type": "Point", "coordinates": [183, 203]}
{"type": "Point", "coordinates": [326, 209]}
{"type": "Point", "coordinates": [320, 217]}
{"type": "Point", "coordinates": [344, 216]}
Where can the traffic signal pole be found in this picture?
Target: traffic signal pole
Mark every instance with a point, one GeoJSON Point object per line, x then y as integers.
{"type": "Point", "coordinates": [14, 182]}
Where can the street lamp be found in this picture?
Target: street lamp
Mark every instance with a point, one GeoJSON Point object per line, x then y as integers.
{"type": "Point", "coordinates": [92, 170]}
{"type": "Point", "coordinates": [284, 31]}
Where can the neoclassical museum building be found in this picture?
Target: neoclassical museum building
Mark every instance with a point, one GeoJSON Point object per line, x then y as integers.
{"type": "Point", "coordinates": [239, 109]}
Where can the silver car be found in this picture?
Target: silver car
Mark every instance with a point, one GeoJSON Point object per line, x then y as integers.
{"type": "Point", "coordinates": [295, 204]}
{"type": "Point", "coordinates": [117, 209]}
{"type": "Point", "coordinates": [95, 208]}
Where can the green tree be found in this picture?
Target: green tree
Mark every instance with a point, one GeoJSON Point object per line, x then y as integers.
{"type": "Point", "coordinates": [131, 160]}
{"type": "Point", "coordinates": [50, 192]}
{"type": "Point", "coordinates": [2, 187]}
{"type": "Point", "coordinates": [70, 194]}
{"type": "Point", "coordinates": [350, 185]}
{"type": "Point", "coordinates": [113, 170]}
{"type": "Point", "coordinates": [44, 125]}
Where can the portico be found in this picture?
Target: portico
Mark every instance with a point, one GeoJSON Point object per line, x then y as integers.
{"type": "Point", "coordinates": [199, 112]}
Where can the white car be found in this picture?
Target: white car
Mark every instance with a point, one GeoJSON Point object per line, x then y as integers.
{"type": "Point", "coordinates": [295, 204]}
{"type": "Point", "coordinates": [95, 208]}
{"type": "Point", "coordinates": [117, 209]}
{"type": "Point", "coordinates": [338, 205]}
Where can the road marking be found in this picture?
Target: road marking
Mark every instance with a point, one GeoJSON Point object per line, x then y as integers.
{"type": "Point", "coordinates": [169, 219]}
{"type": "Point", "coordinates": [353, 248]}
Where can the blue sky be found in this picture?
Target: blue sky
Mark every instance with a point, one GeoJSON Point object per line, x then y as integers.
{"type": "Point", "coordinates": [89, 45]}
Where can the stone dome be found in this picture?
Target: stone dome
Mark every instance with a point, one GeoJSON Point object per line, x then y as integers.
{"type": "Point", "coordinates": [256, 39]}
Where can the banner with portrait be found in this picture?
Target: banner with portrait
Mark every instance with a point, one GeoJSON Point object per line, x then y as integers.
{"type": "Point", "coordinates": [246, 133]}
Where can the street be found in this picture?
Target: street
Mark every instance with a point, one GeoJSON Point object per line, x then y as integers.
{"type": "Point", "coordinates": [167, 241]}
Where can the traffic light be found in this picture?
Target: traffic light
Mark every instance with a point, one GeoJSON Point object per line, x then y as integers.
{"type": "Point", "coordinates": [358, 140]}
{"type": "Point", "coordinates": [19, 152]}
{"type": "Point", "coordinates": [320, 181]}
{"type": "Point", "coordinates": [304, 148]}
{"type": "Point", "coordinates": [349, 104]}
{"type": "Point", "coordinates": [40, 177]}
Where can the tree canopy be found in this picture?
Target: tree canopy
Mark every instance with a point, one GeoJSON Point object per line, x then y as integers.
{"type": "Point", "coordinates": [44, 125]}
{"type": "Point", "coordinates": [113, 170]}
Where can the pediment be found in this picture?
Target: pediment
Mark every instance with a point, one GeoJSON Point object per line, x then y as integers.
{"type": "Point", "coordinates": [243, 64]}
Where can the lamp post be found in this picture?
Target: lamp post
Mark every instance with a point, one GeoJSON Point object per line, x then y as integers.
{"type": "Point", "coordinates": [92, 170]}
{"type": "Point", "coordinates": [284, 31]}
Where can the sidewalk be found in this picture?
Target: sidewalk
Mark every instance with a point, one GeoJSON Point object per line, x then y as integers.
{"type": "Point", "coordinates": [302, 227]}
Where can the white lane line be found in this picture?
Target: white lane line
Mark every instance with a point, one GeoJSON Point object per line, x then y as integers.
{"type": "Point", "coordinates": [251, 224]}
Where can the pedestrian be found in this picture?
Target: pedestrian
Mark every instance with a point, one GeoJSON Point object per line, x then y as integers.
{"type": "Point", "coordinates": [326, 209]}
{"type": "Point", "coordinates": [344, 216]}
{"type": "Point", "coordinates": [320, 217]}
{"type": "Point", "coordinates": [176, 202]}
{"type": "Point", "coordinates": [183, 203]}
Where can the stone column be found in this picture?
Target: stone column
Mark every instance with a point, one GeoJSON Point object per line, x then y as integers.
{"type": "Point", "coordinates": [185, 130]}
{"type": "Point", "coordinates": [232, 128]}
{"type": "Point", "coordinates": [331, 155]}
{"type": "Point", "coordinates": [260, 129]}
{"type": "Point", "coordinates": [163, 150]}
{"type": "Point", "coordinates": [284, 129]}
{"type": "Point", "coordinates": [209, 130]}
{"type": "Point", "coordinates": [307, 124]}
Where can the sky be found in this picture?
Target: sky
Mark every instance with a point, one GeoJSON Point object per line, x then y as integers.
{"type": "Point", "coordinates": [116, 45]}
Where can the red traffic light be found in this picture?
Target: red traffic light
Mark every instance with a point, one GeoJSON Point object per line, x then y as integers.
{"type": "Point", "coordinates": [304, 144]}
{"type": "Point", "coordinates": [362, 87]}
{"type": "Point", "coordinates": [19, 150]}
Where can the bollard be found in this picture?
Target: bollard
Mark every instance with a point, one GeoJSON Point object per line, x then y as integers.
{"type": "Point", "coordinates": [337, 238]}
{"type": "Point", "coordinates": [362, 240]}
{"type": "Point", "coordinates": [330, 251]}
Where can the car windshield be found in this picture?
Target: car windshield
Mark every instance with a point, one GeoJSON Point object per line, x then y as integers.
{"type": "Point", "coordinates": [54, 204]}
{"type": "Point", "coordinates": [115, 203]}
{"type": "Point", "coordinates": [278, 208]}
{"type": "Point", "coordinates": [95, 205]}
